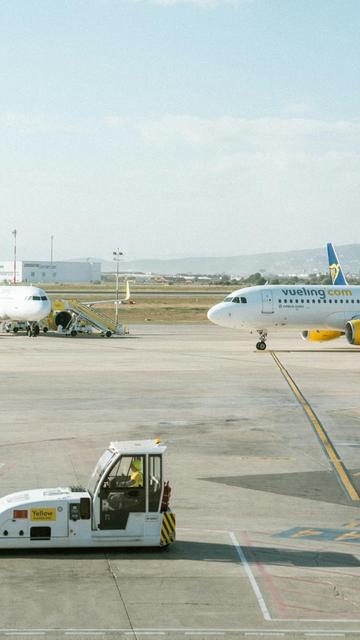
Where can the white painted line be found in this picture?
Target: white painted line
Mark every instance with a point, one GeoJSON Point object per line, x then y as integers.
{"type": "Point", "coordinates": [201, 633]}
{"type": "Point", "coordinates": [316, 634]}
{"type": "Point", "coordinates": [332, 620]}
{"type": "Point", "coordinates": [266, 634]}
{"type": "Point", "coordinates": [348, 444]}
{"type": "Point", "coordinates": [250, 575]}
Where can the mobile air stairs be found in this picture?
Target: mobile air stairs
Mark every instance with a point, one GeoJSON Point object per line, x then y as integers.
{"type": "Point", "coordinates": [72, 317]}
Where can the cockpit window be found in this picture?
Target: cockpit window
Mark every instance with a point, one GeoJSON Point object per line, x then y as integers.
{"type": "Point", "coordinates": [36, 298]}
{"type": "Point", "coordinates": [43, 298]}
{"type": "Point", "coordinates": [235, 299]}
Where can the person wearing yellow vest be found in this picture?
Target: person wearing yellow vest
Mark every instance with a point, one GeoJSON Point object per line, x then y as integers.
{"type": "Point", "coordinates": [137, 476]}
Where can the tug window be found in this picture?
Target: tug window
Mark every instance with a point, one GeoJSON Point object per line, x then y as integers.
{"type": "Point", "coordinates": [128, 472]}
{"type": "Point", "coordinates": [155, 483]}
{"type": "Point", "coordinates": [122, 492]}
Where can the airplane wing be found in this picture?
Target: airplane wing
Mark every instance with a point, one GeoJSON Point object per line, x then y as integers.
{"type": "Point", "coordinates": [336, 272]}
{"type": "Point", "coordinates": [126, 300]}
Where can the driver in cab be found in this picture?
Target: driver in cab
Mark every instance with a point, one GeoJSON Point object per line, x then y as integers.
{"type": "Point", "coordinates": [136, 474]}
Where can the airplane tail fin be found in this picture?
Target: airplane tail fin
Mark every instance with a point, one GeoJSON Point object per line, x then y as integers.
{"type": "Point", "coordinates": [127, 296]}
{"type": "Point", "coordinates": [336, 272]}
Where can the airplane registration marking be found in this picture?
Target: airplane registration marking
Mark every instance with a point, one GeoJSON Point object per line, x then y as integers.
{"type": "Point", "coordinates": [325, 441]}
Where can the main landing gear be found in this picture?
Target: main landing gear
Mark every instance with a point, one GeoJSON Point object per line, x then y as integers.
{"type": "Point", "coordinates": [261, 345]}
{"type": "Point", "coordinates": [32, 329]}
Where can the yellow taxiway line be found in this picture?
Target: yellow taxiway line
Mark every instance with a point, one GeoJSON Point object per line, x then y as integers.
{"type": "Point", "coordinates": [325, 441]}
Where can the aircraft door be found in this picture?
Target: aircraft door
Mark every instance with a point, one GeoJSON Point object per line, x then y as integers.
{"type": "Point", "coordinates": [267, 301]}
{"type": "Point", "coordinates": [123, 493]}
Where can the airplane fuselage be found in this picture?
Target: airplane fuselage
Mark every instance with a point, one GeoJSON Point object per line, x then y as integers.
{"type": "Point", "coordinates": [299, 306]}
{"type": "Point", "coordinates": [23, 304]}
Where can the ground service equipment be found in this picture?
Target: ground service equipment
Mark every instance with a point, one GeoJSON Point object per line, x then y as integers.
{"type": "Point", "coordinates": [126, 504]}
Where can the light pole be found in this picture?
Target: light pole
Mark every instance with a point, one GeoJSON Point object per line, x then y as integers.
{"type": "Point", "coordinates": [116, 256]}
{"type": "Point", "coordinates": [52, 249]}
{"type": "Point", "coordinates": [14, 234]}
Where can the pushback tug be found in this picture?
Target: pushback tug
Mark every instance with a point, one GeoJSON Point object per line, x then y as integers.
{"type": "Point", "coordinates": [126, 504]}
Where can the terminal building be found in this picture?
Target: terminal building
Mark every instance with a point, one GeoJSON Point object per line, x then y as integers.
{"type": "Point", "coordinates": [56, 272]}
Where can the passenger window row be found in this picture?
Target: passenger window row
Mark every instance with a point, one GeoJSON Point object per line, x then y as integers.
{"type": "Point", "coordinates": [319, 301]}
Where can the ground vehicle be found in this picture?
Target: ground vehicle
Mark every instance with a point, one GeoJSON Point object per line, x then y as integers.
{"type": "Point", "coordinates": [125, 504]}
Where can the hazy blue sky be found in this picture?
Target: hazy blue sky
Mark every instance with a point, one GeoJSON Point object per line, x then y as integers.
{"type": "Point", "coordinates": [178, 127]}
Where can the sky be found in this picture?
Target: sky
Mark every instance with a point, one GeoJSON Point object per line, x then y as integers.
{"type": "Point", "coordinates": [174, 128]}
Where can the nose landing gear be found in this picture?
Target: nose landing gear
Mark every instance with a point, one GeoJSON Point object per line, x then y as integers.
{"type": "Point", "coordinates": [261, 345]}
{"type": "Point", "coordinates": [32, 329]}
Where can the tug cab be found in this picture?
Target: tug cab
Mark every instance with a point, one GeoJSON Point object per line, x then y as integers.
{"type": "Point", "coordinates": [126, 503]}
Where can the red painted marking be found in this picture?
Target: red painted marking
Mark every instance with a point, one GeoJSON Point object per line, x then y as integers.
{"type": "Point", "coordinates": [266, 576]}
{"type": "Point", "coordinates": [320, 611]}
{"type": "Point", "coordinates": [6, 468]}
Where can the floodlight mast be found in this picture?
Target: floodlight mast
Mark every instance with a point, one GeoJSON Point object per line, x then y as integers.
{"type": "Point", "coordinates": [116, 256]}
{"type": "Point", "coordinates": [14, 234]}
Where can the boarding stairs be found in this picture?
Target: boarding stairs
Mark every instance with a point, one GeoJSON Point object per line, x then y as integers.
{"type": "Point", "coordinates": [96, 318]}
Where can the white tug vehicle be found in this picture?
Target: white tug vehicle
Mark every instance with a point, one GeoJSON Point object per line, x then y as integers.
{"type": "Point", "coordinates": [126, 504]}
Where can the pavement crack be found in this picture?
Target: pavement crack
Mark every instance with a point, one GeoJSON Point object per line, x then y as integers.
{"type": "Point", "coordinates": [112, 573]}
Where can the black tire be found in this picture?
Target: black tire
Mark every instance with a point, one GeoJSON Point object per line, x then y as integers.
{"type": "Point", "coordinates": [36, 330]}
{"type": "Point", "coordinates": [73, 333]}
{"type": "Point", "coordinates": [108, 334]}
{"type": "Point", "coordinates": [15, 329]}
{"type": "Point", "coordinates": [261, 346]}
{"type": "Point", "coordinates": [45, 329]}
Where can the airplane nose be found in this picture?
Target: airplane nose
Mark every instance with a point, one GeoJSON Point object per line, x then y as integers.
{"type": "Point", "coordinates": [216, 314]}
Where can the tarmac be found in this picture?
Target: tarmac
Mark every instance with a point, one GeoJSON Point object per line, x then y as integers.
{"type": "Point", "coordinates": [263, 460]}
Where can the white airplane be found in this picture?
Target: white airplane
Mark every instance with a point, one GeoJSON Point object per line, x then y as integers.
{"type": "Point", "coordinates": [328, 311]}
{"type": "Point", "coordinates": [24, 304]}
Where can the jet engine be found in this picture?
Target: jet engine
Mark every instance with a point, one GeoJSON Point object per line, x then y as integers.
{"type": "Point", "coordinates": [352, 331]}
{"type": "Point", "coordinates": [322, 335]}
{"type": "Point", "coordinates": [62, 319]}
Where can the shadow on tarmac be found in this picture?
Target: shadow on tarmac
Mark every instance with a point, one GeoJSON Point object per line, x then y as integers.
{"type": "Point", "coordinates": [321, 486]}
{"type": "Point", "coordinates": [187, 550]}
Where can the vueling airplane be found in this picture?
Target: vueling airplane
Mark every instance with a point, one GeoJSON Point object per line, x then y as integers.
{"type": "Point", "coordinates": [328, 311]}
{"type": "Point", "coordinates": [24, 304]}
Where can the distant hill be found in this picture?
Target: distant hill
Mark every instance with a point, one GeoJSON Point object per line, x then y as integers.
{"type": "Point", "coordinates": [284, 262]}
